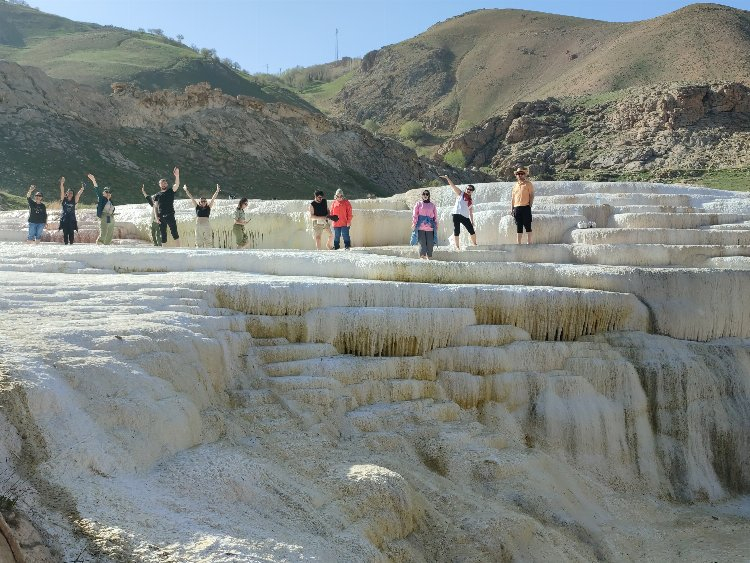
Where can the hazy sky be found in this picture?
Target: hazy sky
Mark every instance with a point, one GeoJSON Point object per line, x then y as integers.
{"type": "Point", "coordinates": [279, 34]}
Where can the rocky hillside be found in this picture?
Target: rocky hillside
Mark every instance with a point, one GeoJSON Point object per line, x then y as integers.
{"type": "Point", "coordinates": [53, 128]}
{"type": "Point", "coordinates": [667, 131]}
{"type": "Point", "coordinates": [472, 67]}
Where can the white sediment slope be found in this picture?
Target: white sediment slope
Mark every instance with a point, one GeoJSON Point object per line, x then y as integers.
{"type": "Point", "coordinates": [584, 398]}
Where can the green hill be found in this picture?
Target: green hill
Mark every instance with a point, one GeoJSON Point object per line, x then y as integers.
{"type": "Point", "coordinates": [100, 55]}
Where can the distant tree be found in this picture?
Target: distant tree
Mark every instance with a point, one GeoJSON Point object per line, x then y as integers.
{"type": "Point", "coordinates": [455, 158]}
{"type": "Point", "coordinates": [157, 31]}
{"type": "Point", "coordinates": [19, 3]}
{"type": "Point", "coordinates": [180, 37]}
{"type": "Point", "coordinates": [371, 125]}
{"type": "Point", "coordinates": [141, 30]}
{"type": "Point", "coordinates": [412, 131]}
{"type": "Point", "coordinates": [194, 47]}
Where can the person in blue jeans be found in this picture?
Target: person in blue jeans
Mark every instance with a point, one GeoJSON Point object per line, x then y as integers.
{"type": "Point", "coordinates": [37, 216]}
{"type": "Point", "coordinates": [341, 215]}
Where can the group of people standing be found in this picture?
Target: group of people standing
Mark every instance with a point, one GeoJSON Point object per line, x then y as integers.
{"type": "Point", "coordinates": [339, 214]}
{"type": "Point", "coordinates": [425, 216]}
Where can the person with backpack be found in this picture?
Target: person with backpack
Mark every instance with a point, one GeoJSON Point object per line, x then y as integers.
{"type": "Point", "coordinates": [37, 216]}
{"type": "Point", "coordinates": [68, 202]}
{"type": "Point", "coordinates": [105, 210]}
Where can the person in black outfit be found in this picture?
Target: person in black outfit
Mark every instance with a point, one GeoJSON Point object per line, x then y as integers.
{"type": "Point", "coordinates": [165, 197]}
{"type": "Point", "coordinates": [318, 211]}
{"type": "Point", "coordinates": [68, 222]}
{"type": "Point", "coordinates": [203, 233]}
{"type": "Point", "coordinates": [37, 216]}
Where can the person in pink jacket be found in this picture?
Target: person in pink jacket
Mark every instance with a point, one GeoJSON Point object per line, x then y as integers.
{"type": "Point", "coordinates": [342, 209]}
{"type": "Point", "coordinates": [425, 225]}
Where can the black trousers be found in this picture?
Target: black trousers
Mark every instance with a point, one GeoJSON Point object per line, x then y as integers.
{"type": "Point", "coordinates": [68, 234]}
{"type": "Point", "coordinates": [168, 220]}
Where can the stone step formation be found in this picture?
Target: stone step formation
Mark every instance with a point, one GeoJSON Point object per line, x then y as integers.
{"type": "Point", "coordinates": [585, 397]}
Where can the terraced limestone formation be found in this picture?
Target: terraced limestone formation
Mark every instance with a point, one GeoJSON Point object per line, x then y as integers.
{"type": "Point", "coordinates": [583, 398]}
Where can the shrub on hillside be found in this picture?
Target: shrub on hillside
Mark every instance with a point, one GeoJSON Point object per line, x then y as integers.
{"type": "Point", "coordinates": [371, 125]}
{"type": "Point", "coordinates": [411, 131]}
{"type": "Point", "coordinates": [455, 158]}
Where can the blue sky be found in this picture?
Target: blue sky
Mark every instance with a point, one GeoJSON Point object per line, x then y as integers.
{"type": "Point", "coordinates": [279, 34]}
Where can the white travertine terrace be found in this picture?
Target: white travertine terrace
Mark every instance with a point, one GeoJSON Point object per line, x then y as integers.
{"type": "Point", "coordinates": [583, 398]}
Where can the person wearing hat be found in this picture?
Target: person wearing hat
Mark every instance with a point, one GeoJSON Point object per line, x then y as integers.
{"type": "Point", "coordinates": [318, 212]}
{"type": "Point", "coordinates": [68, 202]}
{"type": "Point", "coordinates": [463, 212]}
{"type": "Point", "coordinates": [522, 198]}
{"type": "Point", "coordinates": [341, 209]}
{"type": "Point", "coordinates": [105, 210]}
{"type": "Point", "coordinates": [37, 216]}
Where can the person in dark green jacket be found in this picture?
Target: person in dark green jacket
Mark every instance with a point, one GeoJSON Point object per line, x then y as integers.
{"type": "Point", "coordinates": [37, 216]}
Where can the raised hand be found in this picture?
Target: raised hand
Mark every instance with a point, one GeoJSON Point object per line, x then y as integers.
{"type": "Point", "coordinates": [62, 180]}
{"type": "Point", "coordinates": [91, 177]}
{"type": "Point", "coordinates": [176, 172]}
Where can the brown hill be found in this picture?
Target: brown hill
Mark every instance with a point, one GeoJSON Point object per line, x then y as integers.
{"type": "Point", "coordinates": [471, 67]}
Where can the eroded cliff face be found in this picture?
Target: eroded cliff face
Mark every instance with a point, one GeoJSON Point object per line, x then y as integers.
{"type": "Point", "coordinates": [135, 137]}
{"type": "Point", "coordinates": [652, 131]}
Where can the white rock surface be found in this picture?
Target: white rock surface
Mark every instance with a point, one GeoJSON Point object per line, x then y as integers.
{"type": "Point", "coordinates": [566, 402]}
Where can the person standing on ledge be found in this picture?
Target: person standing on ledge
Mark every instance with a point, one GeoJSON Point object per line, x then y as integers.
{"type": "Point", "coordinates": [203, 238]}
{"type": "Point", "coordinates": [318, 211]}
{"type": "Point", "coordinates": [424, 224]}
{"type": "Point", "coordinates": [240, 220]}
{"type": "Point", "coordinates": [37, 216]}
{"type": "Point", "coordinates": [105, 210]}
{"type": "Point", "coordinates": [463, 212]}
{"type": "Point", "coordinates": [155, 229]}
{"type": "Point", "coordinates": [165, 197]}
{"type": "Point", "coordinates": [342, 210]}
{"type": "Point", "coordinates": [68, 221]}
{"type": "Point", "coordinates": [522, 198]}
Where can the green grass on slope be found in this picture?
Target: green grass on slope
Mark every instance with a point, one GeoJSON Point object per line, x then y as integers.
{"type": "Point", "coordinates": [321, 94]}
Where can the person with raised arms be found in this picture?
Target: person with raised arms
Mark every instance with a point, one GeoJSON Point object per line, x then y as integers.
{"type": "Point", "coordinates": [463, 212]}
{"type": "Point", "coordinates": [37, 216]}
{"type": "Point", "coordinates": [165, 197]}
{"type": "Point", "coordinates": [68, 202]}
{"type": "Point", "coordinates": [105, 210]}
{"type": "Point", "coordinates": [203, 234]}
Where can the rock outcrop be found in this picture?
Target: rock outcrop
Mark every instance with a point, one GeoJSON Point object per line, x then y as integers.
{"type": "Point", "coordinates": [658, 131]}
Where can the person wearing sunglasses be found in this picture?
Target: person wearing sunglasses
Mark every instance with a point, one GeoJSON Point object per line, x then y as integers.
{"type": "Point", "coordinates": [463, 212]}
{"type": "Point", "coordinates": [37, 216]}
{"type": "Point", "coordinates": [522, 198]}
{"type": "Point", "coordinates": [203, 233]}
{"type": "Point", "coordinates": [424, 226]}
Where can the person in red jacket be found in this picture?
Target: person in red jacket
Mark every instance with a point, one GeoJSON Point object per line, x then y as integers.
{"type": "Point", "coordinates": [342, 209]}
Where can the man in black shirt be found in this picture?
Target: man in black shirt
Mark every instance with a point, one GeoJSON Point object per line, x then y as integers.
{"type": "Point", "coordinates": [165, 197]}
{"type": "Point", "coordinates": [318, 211]}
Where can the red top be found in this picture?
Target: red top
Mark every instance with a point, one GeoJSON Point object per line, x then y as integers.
{"type": "Point", "coordinates": [343, 210]}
